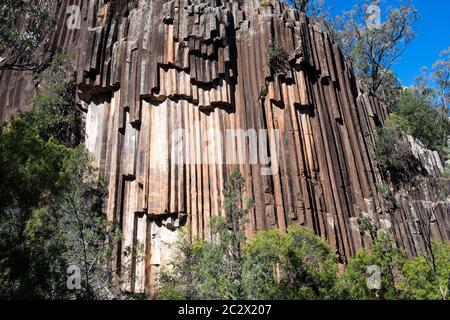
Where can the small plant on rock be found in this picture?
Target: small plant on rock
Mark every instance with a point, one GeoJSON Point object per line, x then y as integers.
{"type": "Point", "coordinates": [277, 58]}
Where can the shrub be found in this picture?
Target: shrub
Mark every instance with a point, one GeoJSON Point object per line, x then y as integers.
{"type": "Point", "coordinates": [297, 265]}
{"type": "Point", "coordinates": [132, 4]}
{"type": "Point", "coordinates": [181, 278]}
{"type": "Point", "coordinates": [393, 153]}
{"type": "Point", "coordinates": [352, 284]}
{"type": "Point", "coordinates": [415, 115]}
{"type": "Point", "coordinates": [18, 44]}
{"type": "Point", "coordinates": [277, 58]}
{"type": "Point", "coordinates": [50, 199]}
{"type": "Point", "coordinates": [211, 270]}
{"type": "Point", "coordinates": [420, 282]}
{"type": "Point", "coordinates": [54, 113]}
{"type": "Point", "coordinates": [366, 224]}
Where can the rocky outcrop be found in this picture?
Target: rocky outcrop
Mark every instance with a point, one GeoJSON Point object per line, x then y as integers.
{"type": "Point", "coordinates": [178, 92]}
{"type": "Point", "coordinates": [424, 201]}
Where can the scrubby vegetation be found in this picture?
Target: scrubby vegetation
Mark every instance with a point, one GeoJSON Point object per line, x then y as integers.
{"type": "Point", "coordinates": [386, 258]}
{"type": "Point", "coordinates": [277, 58]}
{"type": "Point", "coordinates": [132, 4]}
{"type": "Point", "coordinates": [413, 115]}
{"type": "Point", "coordinates": [421, 111]}
{"type": "Point", "coordinates": [393, 152]}
{"type": "Point", "coordinates": [17, 45]}
{"type": "Point", "coordinates": [416, 116]}
{"type": "Point", "coordinates": [55, 242]}
{"type": "Point", "coordinates": [297, 265]}
{"type": "Point", "coordinates": [212, 270]}
{"type": "Point", "coordinates": [422, 276]}
{"type": "Point", "coordinates": [51, 203]}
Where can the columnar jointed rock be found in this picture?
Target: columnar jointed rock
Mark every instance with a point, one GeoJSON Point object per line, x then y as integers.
{"type": "Point", "coordinates": [178, 75]}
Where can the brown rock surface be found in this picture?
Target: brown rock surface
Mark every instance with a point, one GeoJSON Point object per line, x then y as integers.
{"type": "Point", "coordinates": [202, 67]}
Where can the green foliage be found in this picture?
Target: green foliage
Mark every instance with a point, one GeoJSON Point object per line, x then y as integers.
{"type": "Point", "coordinates": [29, 163]}
{"type": "Point", "coordinates": [50, 202]}
{"type": "Point", "coordinates": [219, 15]}
{"type": "Point", "coordinates": [70, 230]}
{"type": "Point", "coordinates": [420, 282]}
{"type": "Point", "coordinates": [211, 270]}
{"type": "Point", "coordinates": [298, 265]}
{"type": "Point", "coordinates": [417, 117]}
{"type": "Point", "coordinates": [19, 37]}
{"type": "Point", "coordinates": [383, 189]}
{"type": "Point", "coordinates": [435, 84]}
{"type": "Point", "coordinates": [366, 225]}
{"type": "Point", "coordinates": [228, 239]}
{"type": "Point", "coordinates": [35, 144]}
{"type": "Point", "coordinates": [86, 233]}
{"type": "Point", "coordinates": [434, 87]}
{"type": "Point", "coordinates": [390, 88]}
{"type": "Point", "coordinates": [30, 170]}
{"type": "Point", "coordinates": [387, 197]}
{"type": "Point", "coordinates": [181, 278]}
{"type": "Point", "coordinates": [441, 78]}
{"type": "Point", "coordinates": [375, 48]}
{"type": "Point", "coordinates": [55, 113]}
{"type": "Point", "coordinates": [393, 152]}
{"type": "Point", "coordinates": [352, 284]}
{"type": "Point", "coordinates": [30, 167]}
{"type": "Point", "coordinates": [132, 4]}
{"type": "Point", "coordinates": [318, 10]}
{"type": "Point", "coordinates": [261, 269]}
{"type": "Point", "coordinates": [277, 58]}
{"type": "Point", "coordinates": [414, 114]}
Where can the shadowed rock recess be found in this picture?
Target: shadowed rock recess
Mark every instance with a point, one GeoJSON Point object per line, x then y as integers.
{"type": "Point", "coordinates": [201, 66]}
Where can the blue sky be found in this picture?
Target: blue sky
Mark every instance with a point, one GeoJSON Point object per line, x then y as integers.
{"type": "Point", "coordinates": [433, 35]}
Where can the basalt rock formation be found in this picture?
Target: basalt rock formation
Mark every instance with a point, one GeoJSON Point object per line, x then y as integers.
{"type": "Point", "coordinates": [177, 92]}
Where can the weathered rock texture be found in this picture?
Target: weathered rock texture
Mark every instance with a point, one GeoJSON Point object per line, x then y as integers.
{"type": "Point", "coordinates": [202, 66]}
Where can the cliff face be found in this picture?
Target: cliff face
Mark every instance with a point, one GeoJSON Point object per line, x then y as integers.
{"type": "Point", "coordinates": [177, 92]}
